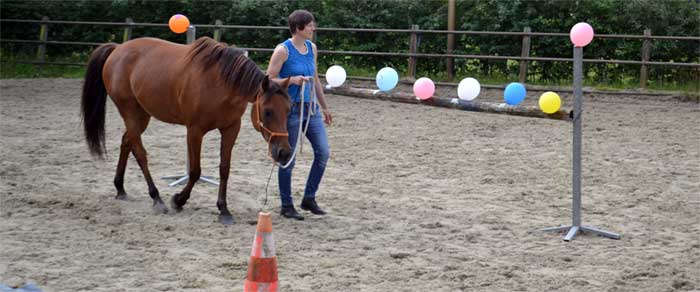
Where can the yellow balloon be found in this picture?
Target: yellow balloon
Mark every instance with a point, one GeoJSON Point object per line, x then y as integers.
{"type": "Point", "coordinates": [550, 102]}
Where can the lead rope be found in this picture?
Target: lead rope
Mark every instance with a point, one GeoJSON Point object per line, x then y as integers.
{"type": "Point", "coordinates": [312, 111]}
{"type": "Point", "coordinates": [262, 208]}
{"type": "Point", "coordinates": [312, 106]}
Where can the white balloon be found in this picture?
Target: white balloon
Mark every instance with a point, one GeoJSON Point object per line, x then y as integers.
{"type": "Point", "coordinates": [468, 88]}
{"type": "Point", "coordinates": [335, 76]}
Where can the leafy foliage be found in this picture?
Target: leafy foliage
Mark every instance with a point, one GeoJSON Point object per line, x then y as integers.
{"type": "Point", "coordinates": [671, 17]}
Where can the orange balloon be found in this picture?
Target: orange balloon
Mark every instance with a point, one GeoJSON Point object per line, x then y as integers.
{"type": "Point", "coordinates": [178, 23]}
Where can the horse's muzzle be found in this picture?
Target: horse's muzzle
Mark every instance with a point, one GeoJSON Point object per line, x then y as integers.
{"type": "Point", "coordinates": [280, 153]}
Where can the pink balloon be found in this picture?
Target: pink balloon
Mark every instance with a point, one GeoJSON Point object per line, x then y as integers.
{"type": "Point", "coordinates": [424, 88]}
{"type": "Point", "coordinates": [581, 34]}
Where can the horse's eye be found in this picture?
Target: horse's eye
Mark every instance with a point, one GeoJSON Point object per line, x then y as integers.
{"type": "Point", "coordinates": [268, 113]}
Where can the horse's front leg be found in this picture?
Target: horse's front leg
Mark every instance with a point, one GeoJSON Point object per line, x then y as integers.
{"type": "Point", "coordinates": [194, 149]}
{"type": "Point", "coordinates": [228, 139]}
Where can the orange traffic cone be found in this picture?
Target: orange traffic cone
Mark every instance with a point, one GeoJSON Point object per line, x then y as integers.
{"type": "Point", "coordinates": [262, 267]}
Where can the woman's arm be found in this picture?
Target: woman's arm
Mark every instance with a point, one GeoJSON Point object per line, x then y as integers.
{"type": "Point", "coordinates": [279, 56]}
{"type": "Point", "coordinates": [328, 118]}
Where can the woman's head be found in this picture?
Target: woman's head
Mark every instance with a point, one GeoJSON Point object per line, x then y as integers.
{"type": "Point", "coordinates": [299, 20]}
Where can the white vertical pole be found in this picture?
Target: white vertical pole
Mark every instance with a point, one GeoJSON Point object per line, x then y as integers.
{"type": "Point", "coordinates": [191, 34]}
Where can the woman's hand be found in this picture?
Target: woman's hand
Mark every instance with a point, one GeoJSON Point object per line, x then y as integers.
{"type": "Point", "coordinates": [298, 80]}
{"type": "Point", "coordinates": [327, 117]}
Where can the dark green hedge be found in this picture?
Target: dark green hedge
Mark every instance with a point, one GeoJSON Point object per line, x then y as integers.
{"type": "Point", "coordinates": [680, 18]}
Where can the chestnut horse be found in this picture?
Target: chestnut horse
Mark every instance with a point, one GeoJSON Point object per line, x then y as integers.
{"type": "Point", "coordinates": [203, 86]}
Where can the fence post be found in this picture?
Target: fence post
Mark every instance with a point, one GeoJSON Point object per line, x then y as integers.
{"type": "Point", "coordinates": [217, 30]}
{"type": "Point", "coordinates": [646, 53]}
{"type": "Point", "coordinates": [413, 48]}
{"type": "Point", "coordinates": [525, 53]}
{"type": "Point", "coordinates": [43, 36]}
{"type": "Point", "coordinates": [450, 39]}
{"type": "Point", "coordinates": [127, 29]}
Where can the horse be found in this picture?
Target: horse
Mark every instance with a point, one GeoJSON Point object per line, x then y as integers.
{"type": "Point", "coordinates": [203, 86]}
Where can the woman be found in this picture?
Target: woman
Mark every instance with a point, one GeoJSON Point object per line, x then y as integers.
{"type": "Point", "coordinates": [295, 59]}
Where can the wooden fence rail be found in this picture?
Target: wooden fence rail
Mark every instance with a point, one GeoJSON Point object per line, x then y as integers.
{"type": "Point", "coordinates": [412, 53]}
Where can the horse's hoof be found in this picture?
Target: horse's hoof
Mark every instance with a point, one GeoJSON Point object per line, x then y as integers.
{"type": "Point", "coordinates": [160, 208]}
{"type": "Point", "coordinates": [226, 219]}
{"type": "Point", "coordinates": [121, 197]}
{"type": "Point", "coordinates": [174, 205]}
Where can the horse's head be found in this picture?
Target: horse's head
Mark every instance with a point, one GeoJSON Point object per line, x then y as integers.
{"type": "Point", "coordinates": [269, 116]}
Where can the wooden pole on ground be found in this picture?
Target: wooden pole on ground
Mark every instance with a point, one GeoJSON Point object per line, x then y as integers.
{"type": "Point", "coordinates": [475, 106]}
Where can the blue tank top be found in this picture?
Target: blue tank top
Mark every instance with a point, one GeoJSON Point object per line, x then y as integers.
{"type": "Point", "coordinates": [298, 64]}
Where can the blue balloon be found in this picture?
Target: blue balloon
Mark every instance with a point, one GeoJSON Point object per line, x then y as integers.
{"type": "Point", "coordinates": [514, 93]}
{"type": "Point", "coordinates": [387, 78]}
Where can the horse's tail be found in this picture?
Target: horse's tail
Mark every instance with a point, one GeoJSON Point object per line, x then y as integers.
{"type": "Point", "coordinates": [94, 99]}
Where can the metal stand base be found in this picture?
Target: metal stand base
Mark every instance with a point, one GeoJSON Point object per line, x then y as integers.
{"type": "Point", "coordinates": [181, 179]}
{"type": "Point", "coordinates": [576, 227]}
{"type": "Point", "coordinates": [572, 230]}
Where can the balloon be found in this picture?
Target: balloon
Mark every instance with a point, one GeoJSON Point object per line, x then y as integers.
{"type": "Point", "coordinates": [387, 78]}
{"type": "Point", "coordinates": [514, 93]}
{"type": "Point", "coordinates": [581, 34]}
{"type": "Point", "coordinates": [550, 102]}
{"type": "Point", "coordinates": [335, 76]}
{"type": "Point", "coordinates": [178, 23]}
{"type": "Point", "coordinates": [468, 88]}
{"type": "Point", "coordinates": [424, 88]}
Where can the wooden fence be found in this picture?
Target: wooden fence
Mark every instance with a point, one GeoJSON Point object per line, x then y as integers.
{"type": "Point", "coordinates": [412, 53]}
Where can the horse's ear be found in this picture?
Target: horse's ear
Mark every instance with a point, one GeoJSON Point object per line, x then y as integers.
{"type": "Point", "coordinates": [266, 83]}
{"type": "Point", "coordinates": [285, 84]}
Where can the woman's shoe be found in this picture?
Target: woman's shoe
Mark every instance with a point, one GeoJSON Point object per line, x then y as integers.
{"type": "Point", "coordinates": [290, 212]}
{"type": "Point", "coordinates": [310, 205]}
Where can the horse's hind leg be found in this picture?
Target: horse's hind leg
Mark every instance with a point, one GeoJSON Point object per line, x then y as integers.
{"type": "Point", "coordinates": [140, 154]}
{"type": "Point", "coordinates": [136, 120]}
{"type": "Point", "coordinates": [121, 167]}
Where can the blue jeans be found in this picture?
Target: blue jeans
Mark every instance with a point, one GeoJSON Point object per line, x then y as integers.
{"type": "Point", "coordinates": [316, 134]}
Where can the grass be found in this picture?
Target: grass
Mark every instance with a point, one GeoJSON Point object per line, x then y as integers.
{"type": "Point", "coordinates": [17, 70]}
{"type": "Point", "coordinates": [10, 69]}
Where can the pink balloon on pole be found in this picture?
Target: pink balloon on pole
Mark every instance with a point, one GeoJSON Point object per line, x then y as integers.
{"type": "Point", "coordinates": [424, 88]}
{"type": "Point", "coordinates": [581, 34]}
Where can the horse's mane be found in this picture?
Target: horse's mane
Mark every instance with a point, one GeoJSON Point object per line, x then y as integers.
{"type": "Point", "coordinates": [237, 71]}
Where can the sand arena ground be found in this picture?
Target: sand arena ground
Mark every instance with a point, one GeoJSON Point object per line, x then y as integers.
{"type": "Point", "coordinates": [420, 199]}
